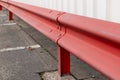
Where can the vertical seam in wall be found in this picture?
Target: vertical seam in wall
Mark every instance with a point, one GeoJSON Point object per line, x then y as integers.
{"type": "Point", "coordinates": [75, 6]}
{"type": "Point", "coordinates": [68, 6]}
{"type": "Point", "coordinates": [56, 5]}
{"type": "Point", "coordinates": [51, 6]}
{"type": "Point", "coordinates": [95, 8]}
{"type": "Point", "coordinates": [61, 5]}
{"type": "Point", "coordinates": [84, 7]}
{"type": "Point", "coordinates": [108, 9]}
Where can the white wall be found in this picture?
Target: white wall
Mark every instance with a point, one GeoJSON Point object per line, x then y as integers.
{"type": "Point", "coordinates": [101, 9]}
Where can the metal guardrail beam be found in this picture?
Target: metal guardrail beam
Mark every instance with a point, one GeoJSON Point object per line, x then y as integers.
{"type": "Point", "coordinates": [94, 41]}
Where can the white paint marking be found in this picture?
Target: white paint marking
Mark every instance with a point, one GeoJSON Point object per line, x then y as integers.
{"type": "Point", "coordinates": [8, 24]}
{"type": "Point", "coordinates": [20, 48]}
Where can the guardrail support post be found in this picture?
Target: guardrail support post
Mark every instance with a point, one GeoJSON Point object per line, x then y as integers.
{"type": "Point", "coordinates": [0, 7]}
{"type": "Point", "coordinates": [10, 15]}
{"type": "Point", "coordinates": [63, 61]}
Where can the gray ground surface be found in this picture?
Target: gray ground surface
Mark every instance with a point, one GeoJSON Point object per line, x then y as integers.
{"type": "Point", "coordinates": [28, 64]}
{"type": "Point", "coordinates": [21, 64]}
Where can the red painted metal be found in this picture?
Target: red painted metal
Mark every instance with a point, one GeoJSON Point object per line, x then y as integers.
{"type": "Point", "coordinates": [0, 7]}
{"type": "Point", "coordinates": [63, 61]}
{"type": "Point", "coordinates": [94, 41]}
{"type": "Point", "coordinates": [10, 15]}
{"type": "Point", "coordinates": [46, 25]}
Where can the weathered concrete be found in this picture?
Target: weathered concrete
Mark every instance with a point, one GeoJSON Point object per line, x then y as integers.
{"type": "Point", "coordinates": [55, 76]}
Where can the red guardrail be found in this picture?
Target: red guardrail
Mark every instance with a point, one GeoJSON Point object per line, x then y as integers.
{"type": "Point", "coordinates": [0, 7]}
{"type": "Point", "coordinates": [94, 41]}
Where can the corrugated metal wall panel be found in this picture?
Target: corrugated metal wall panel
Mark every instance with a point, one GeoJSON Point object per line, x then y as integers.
{"type": "Point", "coordinates": [101, 9]}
